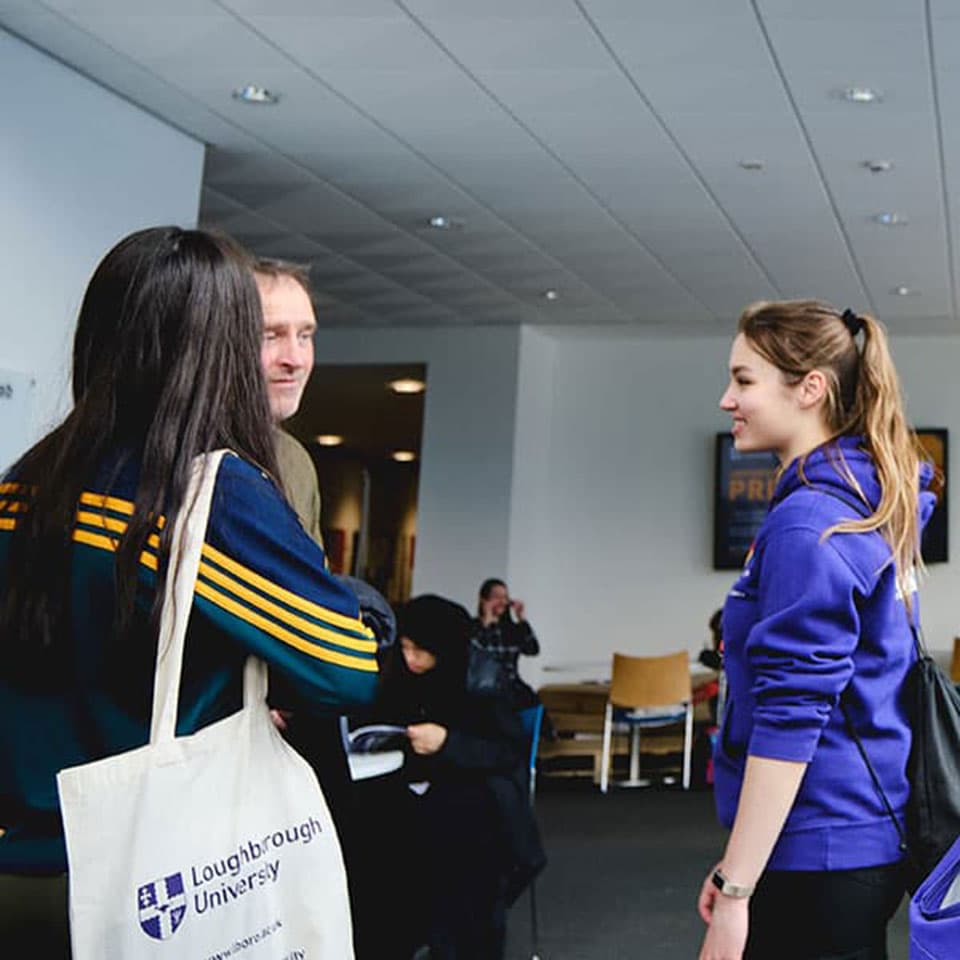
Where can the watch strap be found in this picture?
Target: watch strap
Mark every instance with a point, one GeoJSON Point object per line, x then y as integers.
{"type": "Point", "coordinates": [729, 889]}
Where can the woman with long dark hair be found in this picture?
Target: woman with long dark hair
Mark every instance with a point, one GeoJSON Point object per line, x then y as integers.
{"type": "Point", "coordinates": [166, 367]}
{"type": "Point", "coordinates": [817, 626]}
{"type": "Point", "coordinates": [500, 634]}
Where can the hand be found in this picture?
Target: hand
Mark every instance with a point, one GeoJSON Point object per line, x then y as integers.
{"type": "Point", "coordinates": [426, 738]}
{"type": "Point", "coordinates": [518, 608]}
{"type": "Point", "coordinates": [280, 718]}
{"type": "Point", "coordinates": [727, 920]}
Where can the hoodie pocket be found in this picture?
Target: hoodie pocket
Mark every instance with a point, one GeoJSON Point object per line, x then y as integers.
{"type": "Point", "coordinates": [732, 745]}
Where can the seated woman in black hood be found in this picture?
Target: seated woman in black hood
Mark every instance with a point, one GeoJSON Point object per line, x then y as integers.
{"type": "Point", "coordinates": [466, 820]}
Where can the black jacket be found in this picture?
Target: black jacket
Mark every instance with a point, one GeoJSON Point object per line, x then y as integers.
{"type": "Point", "coordinates": [486, 752]}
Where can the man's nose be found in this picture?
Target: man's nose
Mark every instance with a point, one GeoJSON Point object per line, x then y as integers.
{"type": "Point", "coordinates": [292, 352]}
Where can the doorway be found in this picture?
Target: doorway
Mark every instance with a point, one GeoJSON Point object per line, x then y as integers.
{"type": "Point", "coordinates": [363, 427]}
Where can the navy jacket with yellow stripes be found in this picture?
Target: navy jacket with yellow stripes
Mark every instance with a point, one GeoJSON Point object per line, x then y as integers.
{"type": "Point", "coordinates": [263, 588]}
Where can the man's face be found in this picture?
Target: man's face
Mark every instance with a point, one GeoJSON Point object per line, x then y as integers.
{"type": "Point", "coordinates": [287, 351]}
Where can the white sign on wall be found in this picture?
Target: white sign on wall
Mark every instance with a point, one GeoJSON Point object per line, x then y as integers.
{"type": "Point", "coordinates": [16, 415]}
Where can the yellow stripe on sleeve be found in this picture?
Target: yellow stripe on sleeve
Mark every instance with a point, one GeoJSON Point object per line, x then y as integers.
{"type": "Point", "coordinates": [15, 488]}
{"type": "Point", "coordinates": [279, 613]}
{"type": "Point", "coordinates": [290, 599]}
{"type": "Point", "coordinates": [100, 540]}
{"type": "Point", "coordinates": [7, 523]}
{"type": "Point", "coordinates": [99, 520]}
{"type": "Point", "coordinates": [103, 542]}
{"type": "Point", "coordinates": [291, 639]}
{"type": "Point", "coordinates": [107, 503]}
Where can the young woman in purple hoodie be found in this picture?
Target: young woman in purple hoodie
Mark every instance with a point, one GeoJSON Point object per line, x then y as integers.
{"type": "Point", "coordinates": [822, 608]}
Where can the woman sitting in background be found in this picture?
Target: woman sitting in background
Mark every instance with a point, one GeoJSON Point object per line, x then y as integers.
{"type": "Point", "coordinates": [497, 641]}
{"type": "Point", "coordinates": [466, 820]}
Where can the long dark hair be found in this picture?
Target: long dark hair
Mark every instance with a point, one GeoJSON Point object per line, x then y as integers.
{"type": "Point", "coordinates": [166, 365]}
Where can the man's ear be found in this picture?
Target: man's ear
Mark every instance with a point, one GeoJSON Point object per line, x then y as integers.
{"type": "Point", "coordinates": [813, 389]}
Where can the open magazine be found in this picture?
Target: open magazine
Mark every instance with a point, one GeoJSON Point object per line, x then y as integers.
{"type": "Point", "coordinates": [373, 737]}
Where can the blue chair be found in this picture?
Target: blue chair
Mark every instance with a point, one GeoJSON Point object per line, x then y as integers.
{"type": "Point", "coordinates": [532, 720]}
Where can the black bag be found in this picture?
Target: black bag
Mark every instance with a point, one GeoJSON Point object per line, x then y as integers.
{"type": "Point", "coordinates": [933, 770]}
{"type": "Point", "coordinates": [933, 811]}
{"type": "Point", "coordinates": [486, 675]}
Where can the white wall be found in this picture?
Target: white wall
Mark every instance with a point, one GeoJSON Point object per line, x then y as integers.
{"type": "Point", "coordinates": [463, 503]}
{"type": "Point", "coordinates": [624, 562]}
{"type": "Point", "coordinates": [582, 465]}
{"type": "Point", "coordinates": [928, 368]}
{"type": "Point", "coordinates": [80, 168]}
{"type": "Point", "coordinates": [531, 521]}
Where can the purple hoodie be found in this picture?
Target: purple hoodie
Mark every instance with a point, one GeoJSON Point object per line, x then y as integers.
{"type": "Point", "coordinates": [807, 619]}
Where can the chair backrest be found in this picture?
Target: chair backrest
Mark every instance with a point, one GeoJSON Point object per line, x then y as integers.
{"type": "Point", "coordinates": [532, 720]}
{"type": "Point", "coordinates": [955, 663]}
{"type": "Point", "coordinates": [650, 681]}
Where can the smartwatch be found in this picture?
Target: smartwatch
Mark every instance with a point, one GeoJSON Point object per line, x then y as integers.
{"type": "Point", "coordinates": [729, 889]}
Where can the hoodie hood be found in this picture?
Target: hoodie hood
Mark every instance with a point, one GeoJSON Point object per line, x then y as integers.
{"type": "Point", "coordinates": [828, 467]}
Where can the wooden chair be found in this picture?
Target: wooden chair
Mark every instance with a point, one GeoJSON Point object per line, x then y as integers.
{"type": "Point", "coordinates": [647, 692]}
{"type": "Point", "coordinates": [955, 663]}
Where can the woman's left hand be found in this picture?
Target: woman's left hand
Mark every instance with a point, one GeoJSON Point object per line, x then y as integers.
{"type": "Point", "coordinates": [727, 920]}
{"type": "Point", "coordinates": [426, 738]}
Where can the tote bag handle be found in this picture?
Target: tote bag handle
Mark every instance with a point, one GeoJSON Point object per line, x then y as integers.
{"type": "Point", "coordinates": [185, 551]}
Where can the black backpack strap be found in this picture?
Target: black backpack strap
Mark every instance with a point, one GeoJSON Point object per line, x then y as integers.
{"type": "Point", "coordinates": [852, 731]}
{"type": "Point", "coordinates": [858, 506]}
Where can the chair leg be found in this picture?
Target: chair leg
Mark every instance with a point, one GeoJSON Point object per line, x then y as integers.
{"type": "Point", "coordinates": [687, 746]}
{"type": "Point", "coordinates": [635, 754]}
{"type": "Point", "coordinates": [534, 927]}
{"type": "Point", "coordinates": [605, 755]}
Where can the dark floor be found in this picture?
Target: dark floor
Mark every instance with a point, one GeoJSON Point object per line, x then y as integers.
{"type": "Point", "coordinates": [624, 874]}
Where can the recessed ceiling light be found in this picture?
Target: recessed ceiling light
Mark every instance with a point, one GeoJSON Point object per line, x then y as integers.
{"type": "Point", "coordinates": [891, 219]}
{"type": "Point", "coordinates": [441, 221]}
{"type": "Point", "coordinates": [877, 166]}
{"type": "Point", "coordinates": [753, 165]}
{"type": "Point", "coordinates": [550, 295]}
{"type": "Point", "coordinates": [329, 439]}
{"type": "Point", "coordinates": [407, 385]}
{"type": "Point", "coordinates": [903, 291]}
{"type": "Point", "coordinates": [862, 95]}
{"type": "Point", "coordinates": [403, 456]}
{"type": "Point", "coordinates": [254, 94]}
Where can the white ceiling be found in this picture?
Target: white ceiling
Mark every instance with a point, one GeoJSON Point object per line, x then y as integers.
{"type": "Point", "coordinates": [587, 146]}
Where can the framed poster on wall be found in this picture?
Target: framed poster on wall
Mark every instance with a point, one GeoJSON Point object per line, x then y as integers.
{"type": "Point", "coordinates": [743, 486]}
{"type": "Point", "coordinates": [744, 483]}
{"type": "Point", "coordinates": [934, 545]}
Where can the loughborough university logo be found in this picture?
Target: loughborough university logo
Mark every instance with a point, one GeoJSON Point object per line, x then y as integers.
{"type": "Point", "coordinates": [162, 906]}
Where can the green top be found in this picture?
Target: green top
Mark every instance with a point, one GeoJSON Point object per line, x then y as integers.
{"type": "Point", "coordinates": [299, 479]}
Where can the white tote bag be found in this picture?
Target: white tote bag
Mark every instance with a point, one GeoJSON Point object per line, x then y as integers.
{"type": "Point", "coordinates": [208, 846]}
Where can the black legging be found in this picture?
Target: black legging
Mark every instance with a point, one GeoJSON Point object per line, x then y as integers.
{"type": "Point", "coordinates": [823, 914]}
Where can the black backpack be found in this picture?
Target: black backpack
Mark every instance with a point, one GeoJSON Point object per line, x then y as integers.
{"type": "Point", "coordinates": [933, 769]}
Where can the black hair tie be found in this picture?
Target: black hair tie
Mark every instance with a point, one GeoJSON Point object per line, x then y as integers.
{"type": "Point", "coordinates": [852, 322]}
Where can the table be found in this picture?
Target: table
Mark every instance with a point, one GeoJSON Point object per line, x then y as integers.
{"type": "Point", "coordinates": [576, 711]}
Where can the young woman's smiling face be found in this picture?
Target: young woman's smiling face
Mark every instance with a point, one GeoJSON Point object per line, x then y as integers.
{"type": "Point", "coordinates": [765, 409]}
